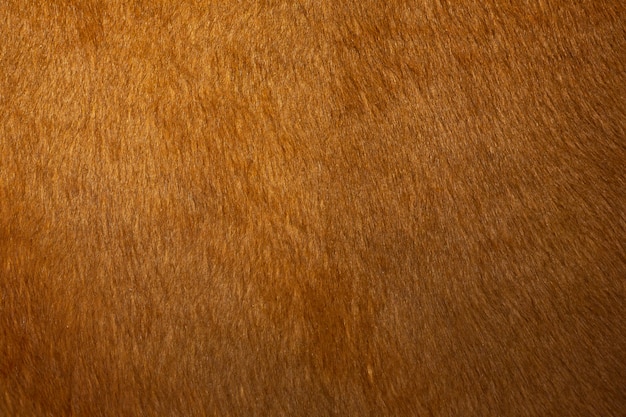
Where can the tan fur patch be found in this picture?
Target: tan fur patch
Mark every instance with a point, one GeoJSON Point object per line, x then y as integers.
{"type": "Point", "coordinates": [312, 208]}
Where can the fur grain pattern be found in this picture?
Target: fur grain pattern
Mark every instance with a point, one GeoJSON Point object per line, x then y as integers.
{"type": "Point", "coordinates": [312, 208]}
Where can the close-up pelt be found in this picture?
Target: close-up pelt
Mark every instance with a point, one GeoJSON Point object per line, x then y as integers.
{"type": "Point", "coordinates": [312, 208]}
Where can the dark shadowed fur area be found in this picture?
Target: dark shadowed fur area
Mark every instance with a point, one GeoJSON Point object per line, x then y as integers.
{"type": "Point", "coordinates": [312, 208]}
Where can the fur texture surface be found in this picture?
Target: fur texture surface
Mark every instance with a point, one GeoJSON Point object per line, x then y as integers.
{"type": "Point", "coordinates": [312, 208]}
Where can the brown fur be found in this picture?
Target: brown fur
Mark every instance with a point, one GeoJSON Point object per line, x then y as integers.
{"type": "Point", "coordinates": [235, 208]}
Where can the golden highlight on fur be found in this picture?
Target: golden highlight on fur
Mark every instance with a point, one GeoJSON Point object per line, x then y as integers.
{"type": "Point", "coordinates": [312, 208]}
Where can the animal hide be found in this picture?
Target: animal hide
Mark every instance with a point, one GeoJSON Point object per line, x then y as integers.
{"type": "Point", "coordinates": [312, 208]}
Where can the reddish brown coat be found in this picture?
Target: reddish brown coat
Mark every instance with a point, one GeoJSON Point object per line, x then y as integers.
{"type": "Point", "coordinates": [240, 208]}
